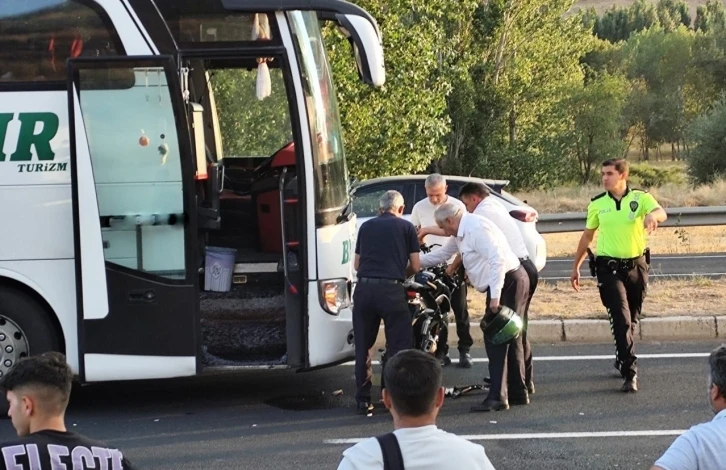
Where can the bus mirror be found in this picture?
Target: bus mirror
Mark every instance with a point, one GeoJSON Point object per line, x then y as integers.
{"type": "Point", "coordinates": [367, 47]}
{"type": "Point", "coordinates": [200, 147]}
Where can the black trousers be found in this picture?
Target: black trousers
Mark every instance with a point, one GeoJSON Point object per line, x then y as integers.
{"type": "Point", "coordinates": [371, 304]}
{"type": "Point", "coordinates": [508, 359]}
{"type": "Point", "coordinates": [533, 276]}
{"type": "Point", "coordinates": [622, 293]}
{"type": "Point", "coordinates": [461, 313]}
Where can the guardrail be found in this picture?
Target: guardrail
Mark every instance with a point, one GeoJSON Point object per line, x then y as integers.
{"type": "Point", "coordinates": [677, 217]}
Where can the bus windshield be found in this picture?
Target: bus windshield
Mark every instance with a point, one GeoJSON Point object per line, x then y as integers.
{"type": "Point", "coordinates": [330, 171]}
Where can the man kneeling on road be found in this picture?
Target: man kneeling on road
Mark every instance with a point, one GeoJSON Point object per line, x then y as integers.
{"type": "Point", "coordinates": [492, 267]}
{"type": "Point", "coordinates": [414, 394]}
{"type": "Point", "coordinates": [38, 389]}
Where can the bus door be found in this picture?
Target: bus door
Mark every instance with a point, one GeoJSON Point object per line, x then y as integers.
{"type": "Point", "coordinates": [137, 285]}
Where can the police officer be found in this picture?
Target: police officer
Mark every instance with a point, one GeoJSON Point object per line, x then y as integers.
{"type": "Point", "coordinates": [422, 216]}
{"type": "Point", "coordinates": [477, 200]}
{"type": "Point", "coordinates": [386, 245]}
{"type": "Point", "coordinates": [624, 216]}
{"type": "Point", "coordinates": [492, 267]}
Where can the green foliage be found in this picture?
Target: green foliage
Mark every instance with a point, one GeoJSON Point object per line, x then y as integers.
{"type": "Point", "coordinates": [595, 111]}
{"type": "Point", "coordinates": [647, 176]}
{"type": "Point", "coordinates": [710, 17]}
{"type": "Point", "coordinates": [619, 23]}
{"type": "Point", "coordinates": [515, 89]}
{"type": "Point", "coordinates": [503, 116]}
{"type": "Point", "coordinates": [400, 128]}
{"type": "Point", "coordinates": [250, 127]}
{"type": "Point", "coordinates": [707, 160]}
{"type": "Point", "coordinates": [656, 61]}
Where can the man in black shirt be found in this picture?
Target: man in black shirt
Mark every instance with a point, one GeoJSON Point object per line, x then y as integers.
{"type": "Point", "coordinates": [38, 389]}
{"type": "Point", "coordinates": [384, 248]}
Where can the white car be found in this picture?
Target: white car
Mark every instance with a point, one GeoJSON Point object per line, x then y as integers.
{"type": "Point", "coordinates": [366, 194]}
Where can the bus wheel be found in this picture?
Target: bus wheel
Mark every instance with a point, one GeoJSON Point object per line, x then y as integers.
{"type": "Point", "coordinates": [25, 329]}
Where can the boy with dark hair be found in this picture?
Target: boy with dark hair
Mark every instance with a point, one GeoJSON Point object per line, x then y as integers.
{"type": "Point", "coordinates": [38, 389]}
{"type": "Point", "coordinates": [414, 395]}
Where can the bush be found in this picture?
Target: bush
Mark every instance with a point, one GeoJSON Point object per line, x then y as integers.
{"type": "Point", "coordinates": [707, 159]}
{"type": "Point", "coordinates": [646, 176]}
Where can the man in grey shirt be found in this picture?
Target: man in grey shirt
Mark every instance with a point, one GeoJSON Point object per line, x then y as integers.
{"type": "Point", "coordinates": [703, 447]}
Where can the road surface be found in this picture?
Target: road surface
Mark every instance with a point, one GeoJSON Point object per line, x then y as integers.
{"type": "Point", "coordinates": [666, 266]}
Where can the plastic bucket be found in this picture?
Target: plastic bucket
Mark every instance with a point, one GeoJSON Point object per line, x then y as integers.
{"type": "Point", "coordinates": [218, 268]}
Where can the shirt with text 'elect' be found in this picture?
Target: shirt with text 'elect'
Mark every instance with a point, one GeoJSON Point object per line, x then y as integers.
{"type": "Point", "coordinates": [485, 252]}
{"type": "Point", "coordinates": [59, 450]}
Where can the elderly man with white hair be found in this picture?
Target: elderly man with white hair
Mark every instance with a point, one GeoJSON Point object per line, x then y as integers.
{"type": "Point", "coordinates": [384, 248]}
{"type": "Point", "coordinates": [422, 216]}
{"type": "Point", "coordinates": [492, 267]}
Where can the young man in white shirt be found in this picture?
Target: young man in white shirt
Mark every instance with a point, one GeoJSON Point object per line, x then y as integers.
{"type": "Point", "coordinates": [422, 216]}
{"type": "Point", "coordinates": [492, 267]}
{"type": "Point", "coordinates": [477, 200]}
{"type": "Point", "coordinates": [703, 446]}
{"type": "Point", "coordinates": [414, 394]}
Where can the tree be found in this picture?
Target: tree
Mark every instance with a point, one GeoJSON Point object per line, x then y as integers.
{"type": "Point", "coordinates": [711, 16]}
{"type": "Point", "coordinates": [402, 127]}
{"type": "Point", "coordinates": [596, 113]}
{"type": "Point", "coordinates": [251, 127]}
{"type": "Point", "coordinates": [672, 14]}
{"type": "Point", "coordinates": [506, 117]}
{"type": "Point", "coordinates": [707, 160]}
{"type": "Point", "coordinates": [657, 61]}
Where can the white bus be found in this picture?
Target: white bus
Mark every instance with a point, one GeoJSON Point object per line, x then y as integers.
{"type": "Point", "coordinates": [138, 138]}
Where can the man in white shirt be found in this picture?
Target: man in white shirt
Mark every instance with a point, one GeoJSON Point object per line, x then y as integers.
{"type": "Point", "coordinates": [703, 446]}
{"type": "Point", "coordinates": [492, 267]}
{"type": "Point", "coordinates": [477, 200]}
{"type": "Point", "coordinates": [414, 394]}
{"type": "Point", "coordinates": [422, 216]}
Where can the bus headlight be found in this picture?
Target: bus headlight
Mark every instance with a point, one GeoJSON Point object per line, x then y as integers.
{"type": "Point", "coordinates": [334, 295]}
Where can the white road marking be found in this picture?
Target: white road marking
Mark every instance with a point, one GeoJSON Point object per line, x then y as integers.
{"type": "Point", "coordinates": [608, 357]}
{"type": "Point", "coordinates": [544, 435]}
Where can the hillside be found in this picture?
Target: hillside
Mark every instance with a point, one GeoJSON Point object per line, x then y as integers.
{"type": "Point", "coordinates": [602, 5]}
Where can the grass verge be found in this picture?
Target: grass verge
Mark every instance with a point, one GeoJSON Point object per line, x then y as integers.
{"type": "Point", "coordinates": [576, 198]}
{"type": "Point", "coordinates": [668, 297]}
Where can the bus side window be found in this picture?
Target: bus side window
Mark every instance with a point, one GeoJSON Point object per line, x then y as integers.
{"type": "Point", "coordinates": [36, 38]}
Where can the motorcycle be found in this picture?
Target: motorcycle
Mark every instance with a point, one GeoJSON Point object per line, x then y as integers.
{"type": "Point", "coordinates": [429, 299]}
{"type": "Point", "coordinates": [429, 302]}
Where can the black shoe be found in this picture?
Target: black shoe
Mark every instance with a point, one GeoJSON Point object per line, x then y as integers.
{"type": "Point", "coordinates": [364, 408]}
{"type": "Point", "coordinates": [445, 360]}
{"type": "Point", "coordinates": [465, 360]}
{"type": "Point", "coordinates": [630, 385]}
{"type": "Point", "coordinates": [490, 405]}
{"type": "Point", "coordinates": [530, 388]}
{"type": "Point", "coordinates": [517, 400]}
